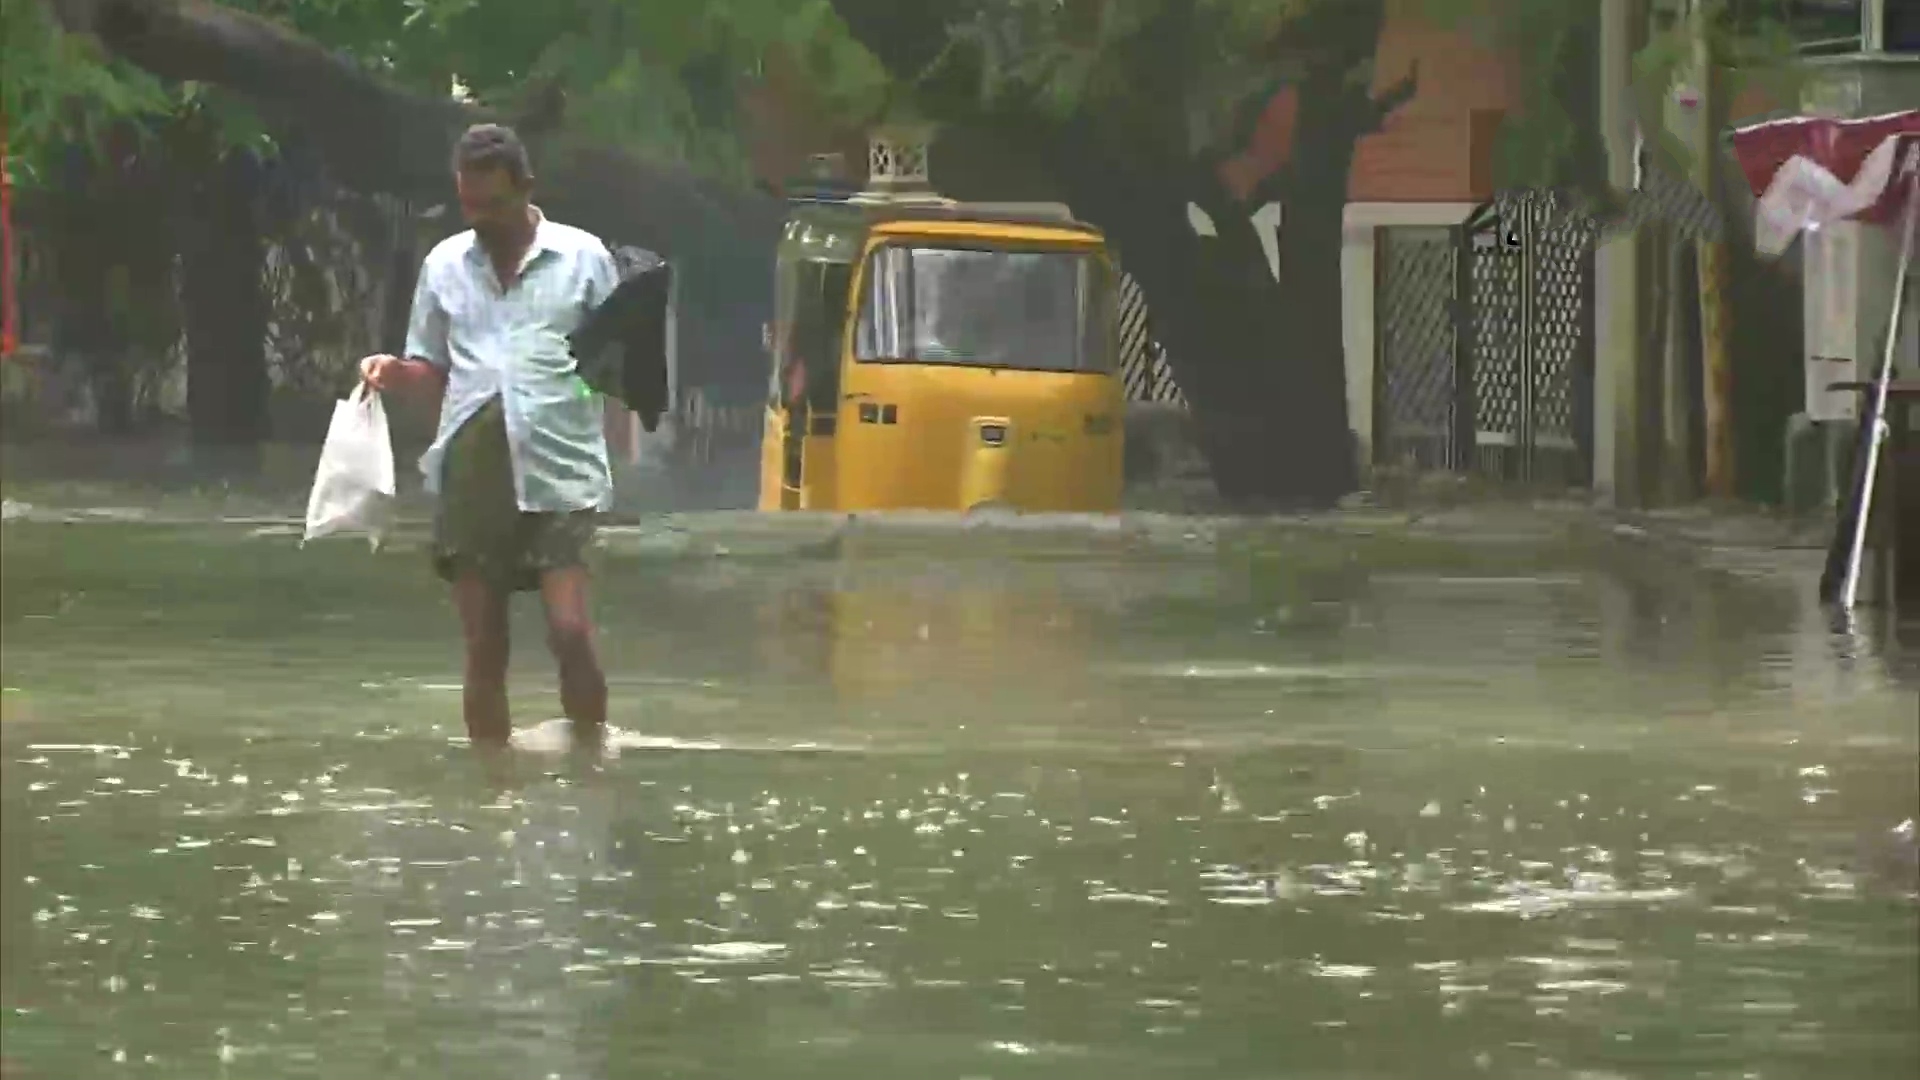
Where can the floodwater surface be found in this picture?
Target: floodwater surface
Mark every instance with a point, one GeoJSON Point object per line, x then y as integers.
{"type": "Point", "coordinates": [1158, 799]}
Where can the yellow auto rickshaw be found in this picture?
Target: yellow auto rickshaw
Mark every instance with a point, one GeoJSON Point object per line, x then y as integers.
{"type": "Point", "coordinates": [932, 355]}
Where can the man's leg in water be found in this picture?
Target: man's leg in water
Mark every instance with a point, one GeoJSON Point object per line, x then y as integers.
{"type": "Point", "coordinates": [483, 625]}
{"type": "Point", "coordinates": [583, 686]}
{"type": "Point", "coordinates": [475, 549]}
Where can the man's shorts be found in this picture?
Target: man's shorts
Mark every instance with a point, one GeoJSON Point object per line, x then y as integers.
{"type": "Point", "coordinates": [479, 528]}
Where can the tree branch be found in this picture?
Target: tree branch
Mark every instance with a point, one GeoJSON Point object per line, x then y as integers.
{"type": "Point", "coordinates": [906, 38]}
{"type": "Point", "coordinates": [1271, 188]}
{"type": "Point", "coordinates": [1384, 105]}
{"type": "Point", "coordinates": [378, 138]}
{"type": "Point", "coordinates": [1249, 112]}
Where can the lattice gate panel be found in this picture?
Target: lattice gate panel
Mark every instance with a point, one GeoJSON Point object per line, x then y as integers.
{"type": "Point", "coordinates": [1496, 281]}
{"type": "Point", "coordinates": [1415, 350]}
{"type": "Point", "coordinates": [1144, 370]}
{"type": "Point", "coordinates": [1532, 340]}
{"type": "Point", "coordinates": [1560, 331]}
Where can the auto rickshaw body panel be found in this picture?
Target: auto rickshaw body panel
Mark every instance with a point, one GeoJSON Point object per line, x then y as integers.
{"type": "Point", "coordinates": [933, 357]}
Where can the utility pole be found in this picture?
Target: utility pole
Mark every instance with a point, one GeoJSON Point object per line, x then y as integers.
{"type": "Point", "coordinates": [1675, 290]}
{"type": "Point", "coordinates": [1711, 260]}
{"type": "Point", "coordinates": [8, 318]}
{"type": "Point", "coordinates": [1619, 432]}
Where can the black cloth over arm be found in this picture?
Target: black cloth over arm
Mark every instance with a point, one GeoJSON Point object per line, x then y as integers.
{"type": "Point", "coordinates": [621, 348]}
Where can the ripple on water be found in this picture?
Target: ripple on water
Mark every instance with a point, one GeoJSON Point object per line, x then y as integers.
{"type": "Point", "coordinates": [554, 738]}
{"type": "Point", "coordinates": [1426, 864]}
{"type": "Point", "coordinates": [740, 952]}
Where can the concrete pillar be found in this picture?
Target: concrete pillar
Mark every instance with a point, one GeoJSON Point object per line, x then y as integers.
{"type": "Point", "coordinates": [1616, 285]}
{"type": "Point", "coordinates": [1356, 325]}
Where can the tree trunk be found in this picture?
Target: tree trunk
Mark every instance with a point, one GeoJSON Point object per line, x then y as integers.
{"type": "Point", "coordinates": [1263, 362]}
{"type": "Point", "coordinates": [84, 330]}
{"type": "Point", "coordinates": [1222, 317]}
{"type": "Point", "coordinates": [1306, 324]}
{"type": "Point", "coordinates": [94, 240]}
{"type": "Point", "coordinates": [110, 385]}
{"type": "Point", "coordinates": [1262, 365]}
{"type": "Point", "coordinates": [396, 303]}
{"type": "Point", "coordinates": [224, 305]}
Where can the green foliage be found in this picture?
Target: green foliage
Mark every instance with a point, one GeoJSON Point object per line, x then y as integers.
{"type": "Point", "coordinates": [1184, 72]}
{"type": "Point", "coordinates": [58, 89]}
{"type": "Point", "coordinates": [660, 78]}
{"type": "Point", "coordinates": [1538, 138]}
{"type": "Point", "coordinates": [1753, 38]}
{"type": "Point", "coordinates": [657, 78]}
{"type": "Point", "coordinates": [54, 87]}
{"type": "Point", "coordinates": [1179, 68]}
{"type": "Point", "coordinates": [1750, 41]}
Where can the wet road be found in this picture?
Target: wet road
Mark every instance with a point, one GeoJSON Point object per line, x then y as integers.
{"type": "Point", "coordinates": [1162, 800]}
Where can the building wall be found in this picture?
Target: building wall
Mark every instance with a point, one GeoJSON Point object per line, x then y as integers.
{"type": "Point", "coordinates": [1438, 147]}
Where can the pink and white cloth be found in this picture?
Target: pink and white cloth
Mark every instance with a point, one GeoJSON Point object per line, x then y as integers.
{"type": "Point", "coordinates": [1808, 172]}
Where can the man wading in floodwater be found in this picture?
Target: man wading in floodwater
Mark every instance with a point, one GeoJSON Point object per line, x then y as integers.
{"type": "Point", "coordinates": [520, 461]}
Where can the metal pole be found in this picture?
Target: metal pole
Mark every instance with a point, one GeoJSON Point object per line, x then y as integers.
{"type": "Point", "coordinates": [1463, 456]}
{"type": "Point", "coordinates": [9, 315]}
{"type": "Point", "coordinates": [1617, 273]}
{"type": "Point", "coordinates": [1710, 266]}
{"type": "Point", "coordinates": [1535, 218]}
{"type": "Point", "coordinates": [670, 422]}
{"type": "Point", "coordinates": [1716, 357]}
{"type": "Point", "coordinates": [1877, 409]}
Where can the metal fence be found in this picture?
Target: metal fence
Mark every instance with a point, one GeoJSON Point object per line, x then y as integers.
{"type": "Point", "coordinates": [1415, 402]}
{"type": "Point", "coordinates": [1143, 360]}
{"type": "Point", "coordinates": [1484, 346]}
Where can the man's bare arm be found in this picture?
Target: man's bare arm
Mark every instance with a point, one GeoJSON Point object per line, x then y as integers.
{"type": "Point", "coordinates": [422, 367]}
{"type": "Point", "coordinates": [412, 376]}
{"type": "Point", "coordinates": [421, 376]}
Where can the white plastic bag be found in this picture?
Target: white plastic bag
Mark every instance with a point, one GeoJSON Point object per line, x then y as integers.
{"type": "Point", "coordinates": [353, 486]}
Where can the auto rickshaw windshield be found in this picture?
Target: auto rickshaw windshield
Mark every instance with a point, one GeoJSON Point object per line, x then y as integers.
{"type": "Point", "coordinates": [1032, 310]}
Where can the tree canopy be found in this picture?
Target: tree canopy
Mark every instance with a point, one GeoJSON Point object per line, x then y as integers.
{"type": "Point", "coordinates": [661, 80]}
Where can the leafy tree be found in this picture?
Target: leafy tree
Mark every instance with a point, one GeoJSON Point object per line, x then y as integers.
{"type": "Point", "coordinates": [53, 87]}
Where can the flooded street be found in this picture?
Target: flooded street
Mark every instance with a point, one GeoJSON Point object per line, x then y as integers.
{"type": "Point", "coordinates": [1155, 799]}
